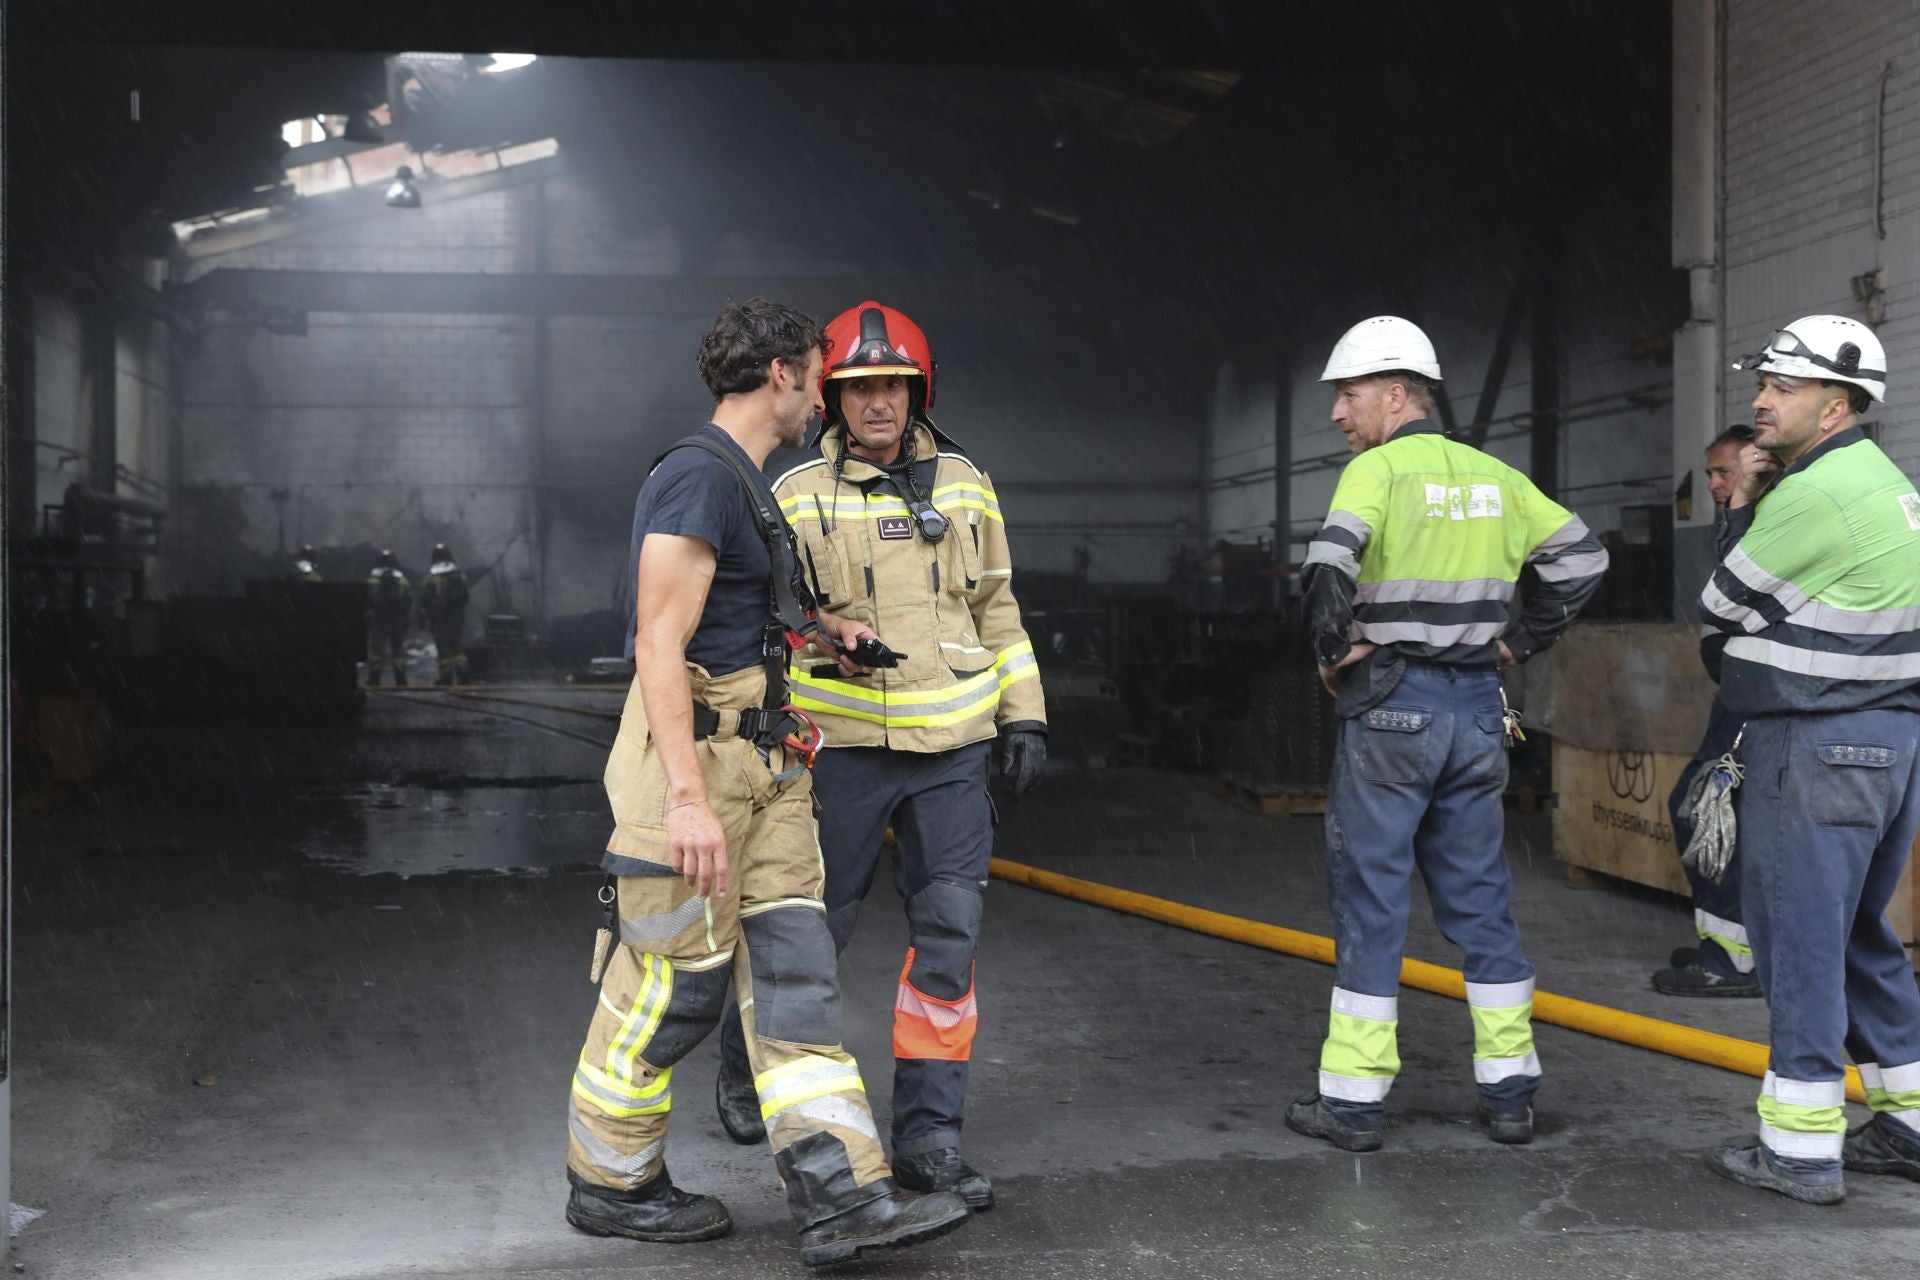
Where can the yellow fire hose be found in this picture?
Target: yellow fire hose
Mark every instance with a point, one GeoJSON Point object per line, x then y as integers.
{"type": "Point", "coordinates": [1727, 1052]}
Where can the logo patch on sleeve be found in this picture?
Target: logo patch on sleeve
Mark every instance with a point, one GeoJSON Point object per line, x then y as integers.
{"type": "Point", "coordinates": [1910, 503]}
{"type": "Point", "coordinates": [902, 526]}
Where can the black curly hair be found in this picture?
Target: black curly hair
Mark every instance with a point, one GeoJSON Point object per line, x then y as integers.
{"type": "Point", "coordinates": [747, 337]}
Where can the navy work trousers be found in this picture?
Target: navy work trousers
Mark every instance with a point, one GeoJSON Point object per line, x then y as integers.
{"type": "Point", "coordinates": [1417, 782]}
{"type": "Point", "coordinates": [1827, 817]}
{"type": "Point", "coordinates": [942, 816]}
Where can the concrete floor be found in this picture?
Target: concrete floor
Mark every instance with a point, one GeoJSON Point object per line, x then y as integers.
{"type": "Point", "coordinates": [304, 1004]}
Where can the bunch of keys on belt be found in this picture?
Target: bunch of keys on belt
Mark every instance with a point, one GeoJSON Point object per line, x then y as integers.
{"type": "Point", "coordinates": [1510, 721]}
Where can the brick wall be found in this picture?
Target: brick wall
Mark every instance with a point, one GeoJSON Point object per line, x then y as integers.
{"type": "Point", "coordinates": [1802, 94]}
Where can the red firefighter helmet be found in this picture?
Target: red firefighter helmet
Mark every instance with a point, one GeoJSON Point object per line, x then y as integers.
{"type": "Point", "coordinates": [871, 340]}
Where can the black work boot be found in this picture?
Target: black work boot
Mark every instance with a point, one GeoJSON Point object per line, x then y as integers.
{"type": "Point", "coordinates": [1682, 957]}
{"type": "Point", "coordinates": [657, 1212]}
{"type": "Point", "coordinates": [1869, 1148]}
{"type": "Point", "coordinates": [1313, 1117]}
{"type": "Point", "coordinates": [1746, 1162]}
{"type": "Point", "coordinates": [737, 1102]}
{"type": "Point", "coordinates": [892, 1220]}
{"type": "Point", "coordinates": [1697, 980]}
{"type": "Point", "coordinates": [1508, 1128]}
{"type": "Point", "coordinates": [942, 1169]}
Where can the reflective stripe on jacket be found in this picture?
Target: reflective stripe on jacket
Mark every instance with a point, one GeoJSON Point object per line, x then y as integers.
{"type": "Point", "coordinates": [1816, 600]}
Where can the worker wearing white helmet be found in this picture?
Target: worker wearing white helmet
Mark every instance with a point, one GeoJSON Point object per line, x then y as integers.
{"type": "Point", "coordinates": [1815, 605]}
{"type": "Point", "coordinates": [1408, 588]}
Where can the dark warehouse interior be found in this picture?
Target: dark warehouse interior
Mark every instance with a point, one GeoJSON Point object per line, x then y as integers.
{"type": "Point", "coordinates": [294, 959]}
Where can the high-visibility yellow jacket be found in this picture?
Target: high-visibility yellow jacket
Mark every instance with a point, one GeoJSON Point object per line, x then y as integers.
{"type": "Point", "coordinates": [948, 606]}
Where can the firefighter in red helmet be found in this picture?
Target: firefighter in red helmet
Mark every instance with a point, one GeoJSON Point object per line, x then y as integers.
{"type": "Point", "coordinates": [903, 532]}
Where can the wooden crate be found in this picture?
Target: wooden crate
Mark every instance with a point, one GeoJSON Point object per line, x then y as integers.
{"type": "Point", "coordinates": [1266, 800]}
{"type": "Point", "coordinates": [1611, 817]}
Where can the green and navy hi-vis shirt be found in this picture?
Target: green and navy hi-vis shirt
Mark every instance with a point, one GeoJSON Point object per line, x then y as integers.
{"type": "Point", "coordinates": [1816, 600]}
{"type": "Point", "coordinates": [1422, 548]}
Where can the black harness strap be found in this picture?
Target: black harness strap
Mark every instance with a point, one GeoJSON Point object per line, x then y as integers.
{"type": "Point", "coordinates": [790, 605]}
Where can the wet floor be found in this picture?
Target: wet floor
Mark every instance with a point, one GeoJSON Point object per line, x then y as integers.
{"type": "Point", "coordinates": [304, 1003]}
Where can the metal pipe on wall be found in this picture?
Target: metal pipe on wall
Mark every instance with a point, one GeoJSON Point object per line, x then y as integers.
{"type": "Point", "coordinates": [1698, 39]}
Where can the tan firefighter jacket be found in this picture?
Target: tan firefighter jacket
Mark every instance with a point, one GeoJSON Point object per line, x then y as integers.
{"type": "Point", "coordinates": [948, 606]}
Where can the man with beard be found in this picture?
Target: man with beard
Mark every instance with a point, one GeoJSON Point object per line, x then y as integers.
{"type": "Point", "coordinates": [1408, 588]}
{"type": "Point", "coordinates": [1816, 605]}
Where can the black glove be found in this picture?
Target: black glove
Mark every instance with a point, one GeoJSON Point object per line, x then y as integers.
{"type": "Point", "coordinates": [1023, 754]}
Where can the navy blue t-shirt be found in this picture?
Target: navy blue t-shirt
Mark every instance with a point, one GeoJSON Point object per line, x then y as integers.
{"type": "Point", "coordinates": [695, 494]}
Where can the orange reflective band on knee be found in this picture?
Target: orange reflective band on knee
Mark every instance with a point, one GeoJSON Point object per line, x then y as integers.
{"type": "Point", "coordinates": [927, 1027]}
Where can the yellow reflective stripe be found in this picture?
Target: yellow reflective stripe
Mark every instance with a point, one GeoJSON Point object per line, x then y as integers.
{"type": "Point", "coordinates": [968, 486]}
{"type": "Point", "coordinates": [959, 689]}
{"type": "Point", "coordinates": [594, 1086]}
{"type": "Point", "coordinates": [991, 508]}
{"type": "Point", "coordinates": [649, 1006]}
{"type": "Point", "coordinates": [1502, 1033]}
{"type": "Point", "coordinates": [804, 1080]}
{"type": "Point", "coordinates": [937, 720]}
{"type": "Point", "coordinates": [806, 506]}
{"type": "Point", "coordinates": [952, 704]}
{"type": "Point", "coordinates": [975, 684]}
{"type": "Point", "coordinates": [1803, 1106]}
{"type": "Point", "coordinates": [1360, 1048]}
{"type": "Point", "coordinates": [840, 688]}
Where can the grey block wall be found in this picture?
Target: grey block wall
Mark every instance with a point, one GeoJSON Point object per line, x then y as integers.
{"type": "Point", "coordinates": [1807, 143]}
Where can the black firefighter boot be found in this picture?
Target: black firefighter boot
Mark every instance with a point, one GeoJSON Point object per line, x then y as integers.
{"type": "Point", "coordinates": [839, 1220]}
{"type": "Point", "coordinates": [656, 1211]}
{"type": "Point", "coordinates": [943, 1169]}
{"type": "Point", "coordinates": [735, 1099]}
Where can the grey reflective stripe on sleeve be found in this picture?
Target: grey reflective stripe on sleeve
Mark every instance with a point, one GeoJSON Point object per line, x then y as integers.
{"type": "Point", "coordinates": [1333, 555]}
{"type": "Point", "coordinates": [1743, 567]}
{"type": "Point", "coordinates": [1427, 633]}
{"type": "Point", "coordinates": [1572, 567]}
{"type": "Point", "coordinates": [650, 931]}
{"type": "Point", "coordinates": [1426, 591]}
{"type": "Point", "coordinates": [1826, 666]}
{"type": "Point", "coordinates": [1716, 602]}
{"type": "Point", "coordinates": [1569, 553]}
{"type": "Point", "coordinates": [1004, 665]}
{"type": "Point", "coordinates": [1340, 542]}
{"type": "Point", "coordinates": [629, 1168]}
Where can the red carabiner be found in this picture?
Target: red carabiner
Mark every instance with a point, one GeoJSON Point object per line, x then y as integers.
{"type": "Point", "coordinates": [816, 738]}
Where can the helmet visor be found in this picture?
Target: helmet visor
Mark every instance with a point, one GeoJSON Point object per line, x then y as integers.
{"type": "Point", "coordinates": [1786, 345]}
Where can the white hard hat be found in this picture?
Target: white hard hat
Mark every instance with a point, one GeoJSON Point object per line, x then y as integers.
{"type": "Point", "coordinates": [1380, 344]}
{"type": "Point", "coordinates": [1830, 348]}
